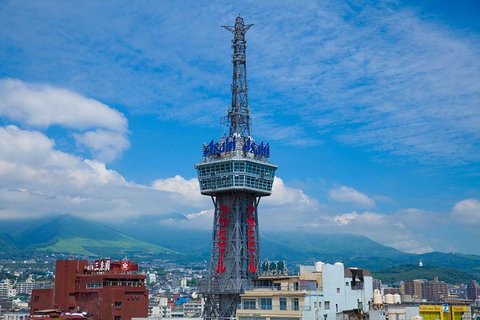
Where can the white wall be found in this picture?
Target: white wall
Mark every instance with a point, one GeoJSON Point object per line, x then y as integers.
{"type": "Point", "coordinates": [337, 293]}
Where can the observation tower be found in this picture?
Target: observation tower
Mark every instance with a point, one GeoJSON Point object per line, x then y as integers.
{"type": "Point", "coordinates": [235, 173]}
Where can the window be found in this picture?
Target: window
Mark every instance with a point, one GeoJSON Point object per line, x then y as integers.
{"type": "Point", "coordinates": [283, 303]}
{"type": "Point", "coordinates": [117, 318]}
{"type": "Point", "coordinates": [347, 284]}
{"type": "Point", "coordinates": [92, 285]}
{"type": "Point", "coordinates": [338, 290]}
{"type": "Point", "coordinates": [295, 286]}
{"type": "Point", "coordinates": [336, 307]}
{"type": "Point", "coordinates": [327, 305]}
{"type": "Point", "coordinates": [249, 304]}
{"type": "Point", "coordinates": [118, 304]}
{"type": "Point", "coordinates": [266, 303]}
{"type": "Point", "coordinates": [295, 304]}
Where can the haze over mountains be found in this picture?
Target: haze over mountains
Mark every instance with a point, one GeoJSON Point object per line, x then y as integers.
{"type": "Point", "coordinates": [76, 236]}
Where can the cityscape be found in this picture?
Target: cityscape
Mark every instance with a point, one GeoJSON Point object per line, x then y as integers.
{"type": "Point", "coordinates": [339, 182]}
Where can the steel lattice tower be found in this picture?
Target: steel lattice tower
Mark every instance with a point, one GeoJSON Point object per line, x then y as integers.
{"type": "Point", "coordinates": [235, 173]}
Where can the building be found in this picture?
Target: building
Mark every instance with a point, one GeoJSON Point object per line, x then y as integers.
{"type": "Point", "coordinates": [317, 292]}
{"type": "Point", "coordinates": [25, 287]}
{"type": "Point", "coordinates": [413, 288]}
{"type": "Point", "coordinates": [395, 312]}
{"type": "Point", "coordinates": [435, 290]}
{"type": "Point", "coordinates": [193, 309]}
{"type": "Point", "coordinates": [6, 289]}
{"type": "Point", "coordinates": [105, 290]}
{"type": "Point", "coordinates": [235, 173]}
{"type": "Point", "coordinates": [16, 316]}
{"type": "Point", "coordinates": [473, 290]}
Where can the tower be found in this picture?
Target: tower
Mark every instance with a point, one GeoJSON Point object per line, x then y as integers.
{"type": "Point", "coordinates": [235, 173]}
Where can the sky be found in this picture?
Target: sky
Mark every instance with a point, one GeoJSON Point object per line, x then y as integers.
{"type": "Point", "coordinates": [371, 109]}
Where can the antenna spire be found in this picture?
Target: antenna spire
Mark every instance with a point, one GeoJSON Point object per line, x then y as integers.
{"type": "Point", "coordinates": [238, 113]}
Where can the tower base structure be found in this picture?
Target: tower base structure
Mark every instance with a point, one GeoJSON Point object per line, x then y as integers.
{"type": "Point", "coordinates": [235, 252]}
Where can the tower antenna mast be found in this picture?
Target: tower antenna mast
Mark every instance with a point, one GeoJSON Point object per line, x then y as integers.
{"type": "Point", "coordinates": [238, 113]}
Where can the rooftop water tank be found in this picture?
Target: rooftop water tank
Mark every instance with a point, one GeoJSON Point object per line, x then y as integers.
{"type": "Point", "coordinates": [397, 299]}
{"type": "Point", "coordinates": [377, 297]}
{"type": "Point", "coordinates": [389, 298]}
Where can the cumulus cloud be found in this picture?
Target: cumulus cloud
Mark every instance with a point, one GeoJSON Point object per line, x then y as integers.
{"type": "Point", "coordinates": [183, 190]}
{"type": "Point", "coordinates": [41, 106]}
{"type": "Point", "coordinates": [399, 230]}
{"type": "Point", "coordinates": [37, 180]}
{"type": "Point", "coordinates": [288, 197]}
{"type": "Point", "coordinates": [104, 144]}
{"type": "Point", "coordinates": [467, 211]}
{"type": "Point", "coordinates": [350, 195]}
{"type": "Point", "coordinates": [45, 105]}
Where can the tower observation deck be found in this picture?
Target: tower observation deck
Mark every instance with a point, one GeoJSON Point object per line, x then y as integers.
{"type": "Point", "coordinates": [235, 172]}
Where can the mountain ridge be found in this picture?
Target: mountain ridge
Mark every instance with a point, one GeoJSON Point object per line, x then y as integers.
{"type": "Point", "coordinates": [72, 235]}
{"type": "Point", "coordinates": [79, 236]}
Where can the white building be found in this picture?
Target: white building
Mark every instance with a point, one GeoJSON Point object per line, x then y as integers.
{"type": "Point", "coordinates": [395, 312]}
{"type": "Point", "coordinates": [193, 308]}
{"type": "Point", "coordinates": [318, 292]}
{"type": "Point", "coordinates": [6, 289]}
{"type": "Point", "coordinates": [151, 278]}
{"type": "Point", "coordinates": [16, 316]}
{"type": "Point", "coordinates": [162, 309]}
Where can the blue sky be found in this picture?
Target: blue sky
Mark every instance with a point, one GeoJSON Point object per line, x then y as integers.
{"type": "Point", "coordinates": [372, 111]}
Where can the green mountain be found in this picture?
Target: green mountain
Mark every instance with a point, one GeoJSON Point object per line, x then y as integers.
{"type": "Point", "coordinates": [329, 247]}
{"type": "Point", "coordinates": [73, 235]}
{"type": "Point", "coordinates": [305, 248]}
{"type": "Point", "coordinates": [296, 247]}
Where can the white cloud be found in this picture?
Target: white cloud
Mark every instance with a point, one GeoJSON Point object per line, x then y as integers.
{"type": "Point", "coordinates": [289, 198]}
{"type": "Point", "coordinates": [183, 190]}
{"type": "Point", "coordinates": [42, 105]}
{"type": "Point", "coordinates": [400, 230]}
{"type": "Point", "coordinates": [350, 195]}
{"type": "Point", "coordinates": [367, 218]}
{"type": "Point", "coordinates": [345, 218]}
{"type": "Point", "coordinates": [467, 211]}
{"type": "Point", "coordinates": [38, 180]}
{"type": "Point", "coordinates": [105, 145]}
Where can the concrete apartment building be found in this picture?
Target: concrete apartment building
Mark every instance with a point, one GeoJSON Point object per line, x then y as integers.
{"type": "Point", "coordinates": [473, 290]}
{"type": "Point", "coordinates": [424, 290]}
{"type": "Point", "coordinates": [317, 292]}
{"type": "Point", "coordinates": [413, 288]}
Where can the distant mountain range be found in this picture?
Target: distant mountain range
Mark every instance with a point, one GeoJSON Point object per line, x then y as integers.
{"type": "Point", "coordinates": [77, 236]}
{"type": "Point", "coordinates": [70, 235]}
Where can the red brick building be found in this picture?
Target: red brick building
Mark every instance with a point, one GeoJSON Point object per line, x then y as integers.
{"type": "Point", "coordinates": [105, 290]}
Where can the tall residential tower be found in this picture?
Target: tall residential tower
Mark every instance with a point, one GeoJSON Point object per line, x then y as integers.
{"type": "Point", "coordinates": [235, 173]}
